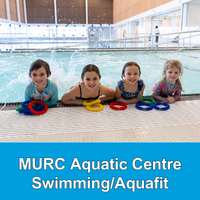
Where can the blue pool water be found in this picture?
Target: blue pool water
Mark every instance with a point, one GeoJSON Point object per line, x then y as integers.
{"type": "Point", "coordinates": [66, 69]}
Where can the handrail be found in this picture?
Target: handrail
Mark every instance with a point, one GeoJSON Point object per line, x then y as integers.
{"type": "Point", "coordinates": [131, 38]}
{"type": "Point", "coordinates": [120, 40]}
{"type": "Point", "coordinates": [187, 48]}
{"type": "Point", "coordinates": [149, 36]}
{"type": "Point", "coordinates": [174, 40]}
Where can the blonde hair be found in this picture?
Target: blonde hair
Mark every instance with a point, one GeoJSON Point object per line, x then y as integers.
{"type": "Point", "coordinates": [171, 64]}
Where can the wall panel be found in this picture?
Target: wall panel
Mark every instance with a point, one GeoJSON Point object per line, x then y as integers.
{"type": "Point", "coordinates": [100, 12]}
{"type": "Point", "coordinates": [3, 9]}
{"type": "Point", "coordinates": [71, 12]}
{"type": "Point", "coordinates": [40, 11]}
{"type": "Point", "coordinates": [21, 7]}
{"type": "Point", "coordinates": [123, 9]}
{"type": "Point", "coordinates": [13, 10]}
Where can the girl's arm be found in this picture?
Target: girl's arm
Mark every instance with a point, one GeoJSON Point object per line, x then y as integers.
{"type": "Point", "coordinates": [156, 93]}
{"type": "Point", "coordinates": [69, 97]}
{"type": "Point", "coordinates": [177, 94]}
{"type": "Point", "coordinates": [108, 93]}
{"type": "Point", "coordinates": [117, 92]}
{"type": "Point", "coordinates": [134, 100]}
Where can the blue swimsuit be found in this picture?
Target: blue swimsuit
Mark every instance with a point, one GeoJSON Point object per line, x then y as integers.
{"type": "Point", "coordinates": [130, 95]}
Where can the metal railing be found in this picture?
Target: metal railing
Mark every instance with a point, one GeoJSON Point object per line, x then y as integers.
{"type": "Point", "coordinates": [175, 41]}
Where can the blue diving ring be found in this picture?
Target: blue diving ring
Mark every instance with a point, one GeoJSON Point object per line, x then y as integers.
{"type": "Point", "coordinates": [167, 106]}
{"type": "Point", "coordinates": [26, 111]}
{"type": "Point", "coordinates": [24, 106]}
{"type": "Point", "coordinates": [138, 106]}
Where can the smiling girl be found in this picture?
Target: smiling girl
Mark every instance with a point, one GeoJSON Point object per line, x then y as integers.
{"type": "Point", "coordinates": [89, 89]}
{"type": "Point", "coordinates": [169, 88]}
{"type": "Point", "coordinates": [130, 89]}
{"type": "Point", "coordinates": [41, 88]}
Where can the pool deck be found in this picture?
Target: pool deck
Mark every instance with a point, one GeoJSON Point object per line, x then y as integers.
{"type": "Point", "coordinates": [181, 123]}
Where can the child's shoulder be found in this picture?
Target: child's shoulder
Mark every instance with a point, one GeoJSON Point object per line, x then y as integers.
{"type": "Point", "coordinates": [161, 82]}
{"type": "Point", "coordinates": [30, 85]}
{"type": "Point", "coordinates": [51, 83]}
{"type": "Point", "coordinates": [120, 82]}
{"type": "Point", "coordinates": [140, 82]}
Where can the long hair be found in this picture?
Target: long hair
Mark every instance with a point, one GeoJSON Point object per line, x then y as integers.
{"type": "Point", "coordinates": [178, 65]}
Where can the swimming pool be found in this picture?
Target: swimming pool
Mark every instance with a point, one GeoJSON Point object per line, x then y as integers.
{"type": "Point", "coordinates": [66, 69]}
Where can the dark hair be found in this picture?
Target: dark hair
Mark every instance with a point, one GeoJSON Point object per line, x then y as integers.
{"type": "Point", "coordinates": [37, 64]}
{"type": "Point", "coordinates": [130, 64]}
{"type": "Point", "coordinates": [156, 26]}
{"type": "Point", "coordinates": [90, 68]}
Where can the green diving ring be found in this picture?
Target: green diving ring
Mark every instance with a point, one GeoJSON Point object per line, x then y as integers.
{"type": "Point", "coordinates": [148, 100]}
{"type": "Point", "coordinates": [20, 108]}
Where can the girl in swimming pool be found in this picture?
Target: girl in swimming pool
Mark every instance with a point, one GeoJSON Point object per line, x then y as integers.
{"type": "Point", "coordinates": [130, 89]}
{"type": "Point", "coordinates": [89, 89]}
{"type": "Point", "coordinates": [169, 88]}
{"type": "Point", "coordinates": [41, 88]}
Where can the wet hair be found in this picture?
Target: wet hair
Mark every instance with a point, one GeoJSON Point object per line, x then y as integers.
{"type": "Point", "coordinates": [90, 68]}
{"type": "Point", "coordinates": [173, 63]}
{"type": "Point", "coordinates": [128, 64]}
{"type": "Point", "coordinates": [38, 64]}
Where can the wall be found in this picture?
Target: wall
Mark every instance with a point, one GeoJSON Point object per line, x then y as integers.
{"type": "Point", "coordinates": [123, 9]}
{"type": "Point", "coordinates": [3, 9]}
{"type": "Point", "coordinates": [193, 15]}
{"type": "Point", "coordinates": [40, 11]}
{"type": "Point", "coordinates": [13, 10]}
{"type": "Point", "coordinates": [21, 8]}
{"type": "Point", "coordinates": [100, 11]}
{"type": "Point", "coordinates": [71, 12]}
{"type": "Point", "coordinates": [167, 22]}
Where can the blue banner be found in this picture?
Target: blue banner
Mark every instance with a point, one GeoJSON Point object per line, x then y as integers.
{"type": "Point", "coordinates": [99, 171]}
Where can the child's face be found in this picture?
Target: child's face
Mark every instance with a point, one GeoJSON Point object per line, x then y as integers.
{"type": "Point", "coordinates": [172, 74]}
{"type": "Point", "coordinates": [131, 74]}
{"type": "Point", "coordinates": [91, 80]}
{"type": "Point", "coordinates": [39, 76]}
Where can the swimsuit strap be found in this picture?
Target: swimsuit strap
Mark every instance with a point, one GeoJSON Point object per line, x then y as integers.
{"type": "Point", "coordinates": [99, 89]}
{"type": "Point", "coordinates": [87, 98]}
{"type": "Point", "coordinates": [80, 90]}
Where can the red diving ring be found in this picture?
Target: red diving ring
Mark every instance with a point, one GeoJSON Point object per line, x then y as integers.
{"type": "Point", "coordinates": [124, 106]}
{"type": "Point", "coordinates": [38, 112]}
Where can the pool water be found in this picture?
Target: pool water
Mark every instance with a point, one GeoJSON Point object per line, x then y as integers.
{"type": "Point", "coordinates": [66, 69]}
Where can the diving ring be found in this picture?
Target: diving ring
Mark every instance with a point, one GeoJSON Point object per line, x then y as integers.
{"type": "Point", "coordinates": [167, 106]}
{"type": "Point", "coordinates": [147, 100]}
{"type": "Point", "coordinates": [24, 106]}
{"type": "Point", "coordinates": [100, 107]}
{"type": "Point", "coordinates": [97, 101]}
{"type": "Point", "coordinates": [138, 106]}
{"type": "Point", "coordinates": [112, 105]}
{"type": "Point", "coordinates": [36, 106]}
{"type": "Point", "coordinates": [38, 112]}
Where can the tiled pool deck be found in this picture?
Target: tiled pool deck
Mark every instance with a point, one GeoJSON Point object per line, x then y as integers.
{"type": "Point", "coordinates": [181, 123]}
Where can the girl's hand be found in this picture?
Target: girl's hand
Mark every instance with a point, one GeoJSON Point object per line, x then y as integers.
{"type": "Point", "coordinates": [121, 100]}
{"type": "Point", "coordinates": [171, 99]}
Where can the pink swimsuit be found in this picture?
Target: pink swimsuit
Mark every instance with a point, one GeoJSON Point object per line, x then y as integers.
{"type": "Point", "coordinates": [161, 91]}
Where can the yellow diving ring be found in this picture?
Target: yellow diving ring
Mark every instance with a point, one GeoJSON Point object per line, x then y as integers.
{"type": "Point", "coordinates": [100, 107]}
{"type": "Point", "coordinates": [97, 101]}
{"type": "Point", "coordinates": [93, 103]}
